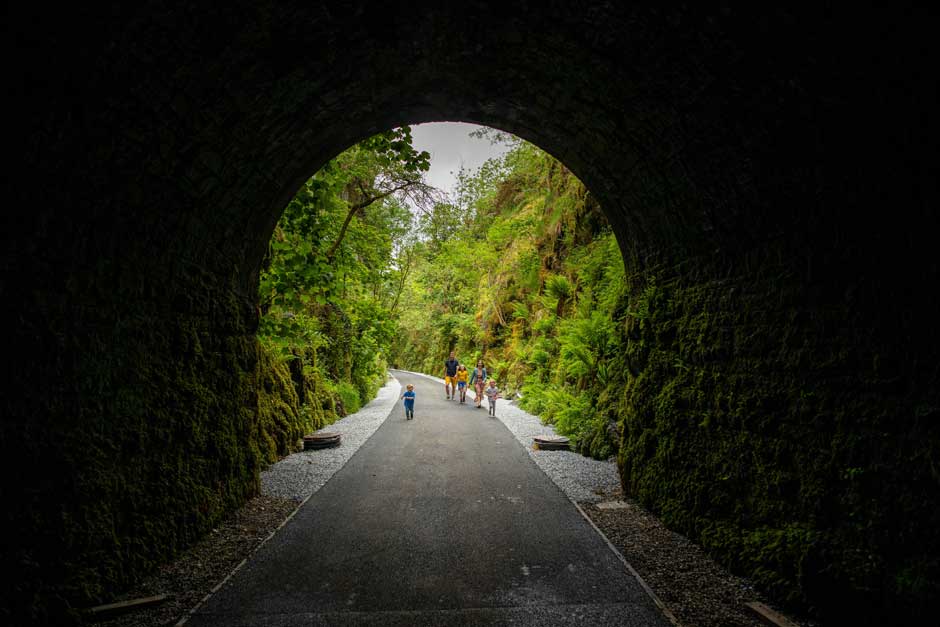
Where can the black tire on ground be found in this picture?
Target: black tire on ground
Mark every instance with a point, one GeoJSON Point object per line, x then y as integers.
{"type": "Point", "coordinates": [551, 443]}
{"type": "Point", "coordinates": [321, 440]}
{"type": "Point", "coordinates": [314, 446]}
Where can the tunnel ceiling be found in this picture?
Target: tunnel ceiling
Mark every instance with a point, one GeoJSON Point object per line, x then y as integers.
{"type": "Point", "coordinates": [177, 135]}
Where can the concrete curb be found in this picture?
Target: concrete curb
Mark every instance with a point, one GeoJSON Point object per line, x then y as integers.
{"type": "Point", "coordinates": [649, 591]}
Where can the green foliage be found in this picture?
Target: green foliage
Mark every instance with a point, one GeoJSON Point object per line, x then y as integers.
{"type": "Point", "coordinates": [336, 269]}
{"type": "Point", "coordinates": [558, 287]}
{"type": "Point", "coordinates": [584, 344]}
{"type": "Point", "coordinates": [349, 396]}
{"type": "Point", "coordinates": [529, 283]}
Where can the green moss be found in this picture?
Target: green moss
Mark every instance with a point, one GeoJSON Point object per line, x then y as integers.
{"type": "Point", "coordinates": [280, 423]}
{"type": "Point", "coordinates": [146, 438]}
{"type": "Point", "coordinates": [756, 421]}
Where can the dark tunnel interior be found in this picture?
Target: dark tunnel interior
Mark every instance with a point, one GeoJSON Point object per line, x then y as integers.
{"type": "Point", "coordinates": [771, 170]}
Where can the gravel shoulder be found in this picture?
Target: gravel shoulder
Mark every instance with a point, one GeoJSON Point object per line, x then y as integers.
{"type": "Point", "coordinates": [696, 590]}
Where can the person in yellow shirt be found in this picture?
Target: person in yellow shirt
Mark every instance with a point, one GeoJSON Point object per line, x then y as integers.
{"type": "Point", "coordinates": [462, 375]}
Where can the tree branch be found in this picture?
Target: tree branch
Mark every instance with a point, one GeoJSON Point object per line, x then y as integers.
{"type": "Point", "coordinates": [358, 207]}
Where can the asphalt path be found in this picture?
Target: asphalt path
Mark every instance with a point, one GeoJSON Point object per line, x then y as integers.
{"type": "Point", "coordinates": [439, 520]}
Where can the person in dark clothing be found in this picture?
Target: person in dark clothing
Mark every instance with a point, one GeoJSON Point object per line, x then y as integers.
{"type": "Point", "coordinates": [450, 376]}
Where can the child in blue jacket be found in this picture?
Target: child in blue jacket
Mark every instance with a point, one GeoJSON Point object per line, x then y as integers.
{"type": "Point", "coordinates": [409, 397]}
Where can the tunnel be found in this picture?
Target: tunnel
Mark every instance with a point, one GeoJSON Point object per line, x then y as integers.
{"type": "Point", "coordinates": [769, 173]}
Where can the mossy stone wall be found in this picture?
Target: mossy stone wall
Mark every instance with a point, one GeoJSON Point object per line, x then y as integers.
{"type": "Point", "coordinates": [151, 424]}
{"type": "Point", "coordinates": [782, 421]}
{"type": "Point", "coordinates": [133, 436]}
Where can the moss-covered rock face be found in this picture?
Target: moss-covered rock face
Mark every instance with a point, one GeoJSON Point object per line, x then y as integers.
{"type": "Point", "coordinates": [131, 439]}
{"type": "Point", "coordinates": [282, 423]}
{"type": "Point", "coordinates": [294, 399]}
{"type": "Point", "coordinates": [795, 438]}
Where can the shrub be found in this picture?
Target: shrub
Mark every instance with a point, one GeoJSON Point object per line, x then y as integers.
{"type": "Point", "coordinates": [348, 397]}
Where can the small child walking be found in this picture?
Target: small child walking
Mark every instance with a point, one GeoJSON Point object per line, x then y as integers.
{"type": "Point", "coordinates": [492, 393]}
{"type": "Point", "coordinates": [409, 397]}
{"type": "Point", "coordinates": [462, 375]}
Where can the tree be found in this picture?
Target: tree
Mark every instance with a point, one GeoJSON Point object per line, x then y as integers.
{"type": "Point", "coordinates": [380, 167]}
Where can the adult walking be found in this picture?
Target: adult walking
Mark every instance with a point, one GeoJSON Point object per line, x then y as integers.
{"type": "Point", "coordinates": [450, 376]}
{"type": "Point", "coordinates": [477, 379]}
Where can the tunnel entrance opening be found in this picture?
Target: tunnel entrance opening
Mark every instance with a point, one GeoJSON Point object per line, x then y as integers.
{"type": "Point", "coordinates": [370, 265]}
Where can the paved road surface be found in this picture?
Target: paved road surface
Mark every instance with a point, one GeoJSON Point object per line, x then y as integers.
{"type": "Point", "coordinates": [440, 520]}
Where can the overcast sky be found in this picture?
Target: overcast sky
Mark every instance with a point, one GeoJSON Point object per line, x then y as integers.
{"type": "Point", "coordinates": [451, 147]}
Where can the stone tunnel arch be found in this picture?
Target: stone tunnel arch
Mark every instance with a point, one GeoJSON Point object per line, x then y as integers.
{"type": "Point", "coordinates": [158, 147]}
